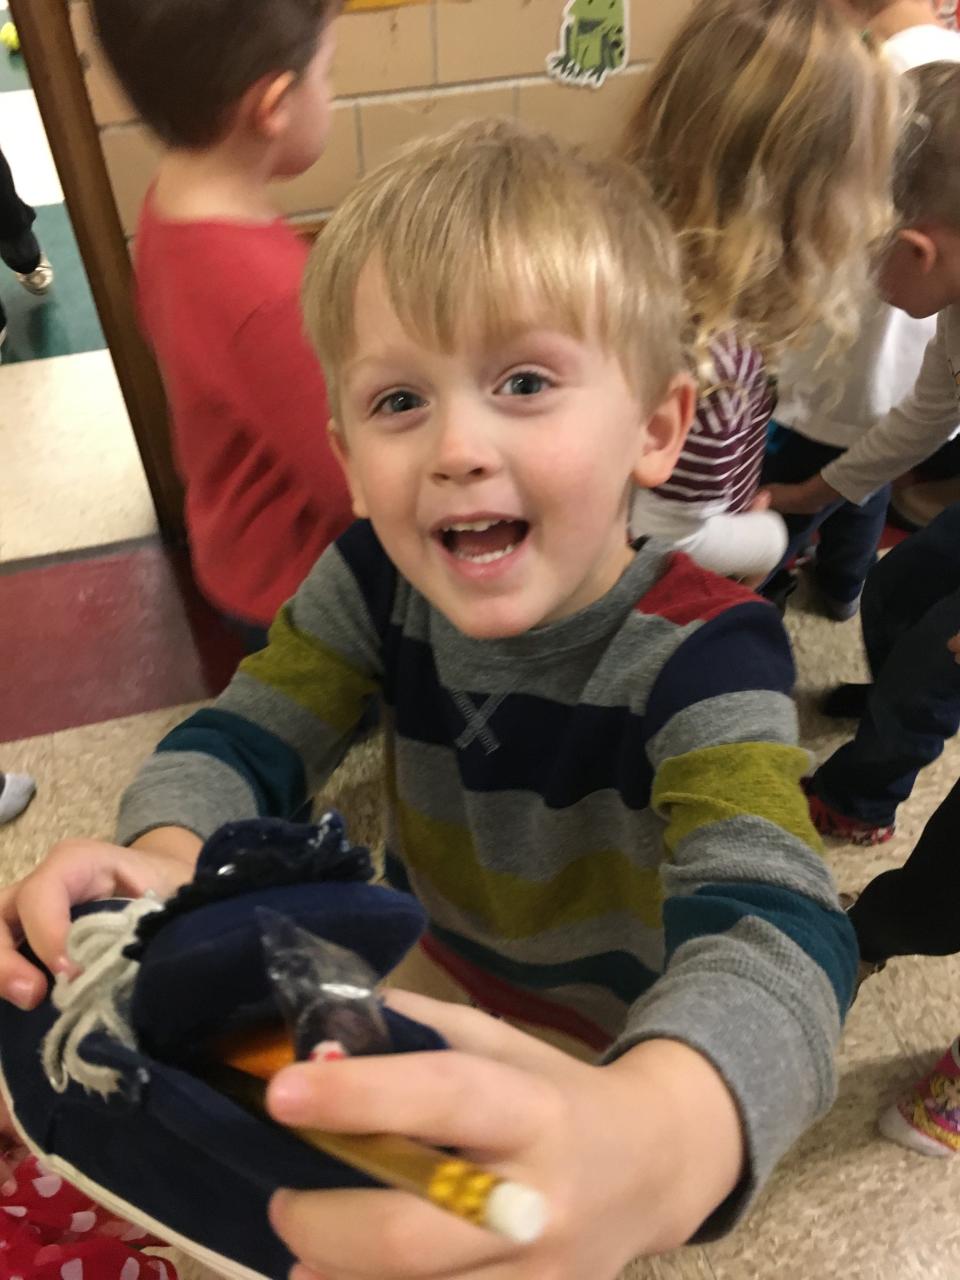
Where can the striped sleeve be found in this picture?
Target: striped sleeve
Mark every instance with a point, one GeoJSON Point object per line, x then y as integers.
{"type": "Point", "coordinates": [722, 456]}
{"type": "Point", "coordinates": [285, 721]}
{"type": "Point", "coordinates": [760, 960]}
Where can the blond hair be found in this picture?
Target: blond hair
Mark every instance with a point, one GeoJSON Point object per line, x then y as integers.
{"type": "Point", "coordinates": [497, 227]}
{"type": "Point", "coordinates": [767, 131]}
{"type": "Point", "coordinates": [867, 9]}
{"type": "Point", "coordinates": [927, 184]}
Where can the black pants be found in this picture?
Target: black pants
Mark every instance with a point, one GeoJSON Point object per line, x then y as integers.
{"type": "Point", "coordinates": [18, 247]}
{"type": "Point", "coordinates": [849, 534]}
{"type": "Point", "coordinates": [915, 910]}
{"type": "Point", "coordinates": [16, 219]}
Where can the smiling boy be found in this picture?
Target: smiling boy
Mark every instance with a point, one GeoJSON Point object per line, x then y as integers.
{"type": "Point", "coordinates": [591, 769]}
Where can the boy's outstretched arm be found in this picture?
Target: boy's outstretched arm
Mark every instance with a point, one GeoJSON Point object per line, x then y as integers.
{"type": "Point", "coordinates": [631, 1158]}
{"type": "Point", "coordinates": [760, 961]}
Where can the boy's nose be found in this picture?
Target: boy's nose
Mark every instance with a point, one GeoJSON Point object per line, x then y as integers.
{"type": "Point", "coordinates": [464, 450]}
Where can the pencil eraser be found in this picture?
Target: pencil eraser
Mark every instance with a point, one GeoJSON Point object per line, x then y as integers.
{"type": "Point", "coordinates": [516, 1212]}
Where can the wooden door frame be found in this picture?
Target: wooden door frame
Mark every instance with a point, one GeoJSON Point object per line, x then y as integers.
{"type": "Point", "coordinates": [56, 75]}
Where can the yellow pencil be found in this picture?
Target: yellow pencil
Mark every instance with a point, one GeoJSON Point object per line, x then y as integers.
{"type": "Point", "coordinates": [460, 1187]}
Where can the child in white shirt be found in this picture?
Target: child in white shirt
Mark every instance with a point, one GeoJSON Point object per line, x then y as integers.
{"type": "Point", "coordinates": [825, 407]}
{"type": "Point", "coordinates": [911, 602]}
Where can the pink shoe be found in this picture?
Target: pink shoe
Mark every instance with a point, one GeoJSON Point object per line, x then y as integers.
{"type": "Point", "coordinates": [830, 822]}
{"type": "Point", "coordinates": [927, 1120]}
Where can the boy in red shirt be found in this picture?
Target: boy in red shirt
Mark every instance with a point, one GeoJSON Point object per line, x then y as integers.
{"type": "Point", "coordinates": [239, 90]}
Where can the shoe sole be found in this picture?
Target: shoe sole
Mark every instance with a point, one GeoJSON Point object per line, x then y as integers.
{"type": "Point", "coordinates": [865, 839]}
{"type": "Point", "coordinates": [38, 291]}
{"type": "Point", "coordinates": [862, 840]}
{"type": "Point", "coordinates": [840, 614]}
{"type": "Point", "coordinates": [893, 1126]}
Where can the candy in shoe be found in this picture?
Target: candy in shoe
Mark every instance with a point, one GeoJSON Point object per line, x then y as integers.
{"type": "Point", "coordinates": [105, 1080]}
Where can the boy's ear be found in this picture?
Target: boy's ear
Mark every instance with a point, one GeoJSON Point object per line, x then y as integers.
{"type": "Point", "coordinates": [341, 451]}
{"type": "Point", "coordinates": [921, 247]}
{"type": "Point", "coordinates": [265, 105]}
{"type": "Point", "coordinates": [665, 433]}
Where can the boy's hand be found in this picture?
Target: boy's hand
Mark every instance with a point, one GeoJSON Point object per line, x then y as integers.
{"type": "Point", "coordinates": [954, 646]}
{"type": "Point", "coordinates": [38, 906]}
{"type": "Point", "coordinates": [802, 499]}
{"type": "Point", "coordinates": [631, 1158]}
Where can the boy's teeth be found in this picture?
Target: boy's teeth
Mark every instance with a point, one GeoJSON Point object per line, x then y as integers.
{"type": "Point", "coordinates": [484, 541]}
{"type": "Point", "coordinates": [488, 557]}
{"type": "Point", "coordinates": [478, 526]}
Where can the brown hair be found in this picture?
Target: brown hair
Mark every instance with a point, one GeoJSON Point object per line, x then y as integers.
{"type": "Point", "coordinates": [767, 131]}
{"type": "Point", "coordinates": [494, 226]}
{"type": "Point", "coordinates": [185, 64]}
{"type": "Point", "coordinates": [927, 184]}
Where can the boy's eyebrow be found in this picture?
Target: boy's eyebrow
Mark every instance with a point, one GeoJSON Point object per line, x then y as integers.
{"type": "Point", "coordinates": [388, 356]}
{"type": "Point", "coordinates": [534, 334]}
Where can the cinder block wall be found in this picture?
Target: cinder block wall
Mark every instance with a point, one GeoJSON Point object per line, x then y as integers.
{"type": "Point", "coordinates": [407, 71]}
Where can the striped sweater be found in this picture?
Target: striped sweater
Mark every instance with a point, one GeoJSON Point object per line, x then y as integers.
{"type": "Point", "coordinates": [601, 816]}
{"type": "Point", "coordinates": [723, 454]}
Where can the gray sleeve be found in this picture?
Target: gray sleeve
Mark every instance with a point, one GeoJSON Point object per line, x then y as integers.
{"type": "Point", "coordinates": [760, 960]}
{"type": "Point", "coordinates": [908, 434]}
{"type": "Point", "coordinates": [284, 722]}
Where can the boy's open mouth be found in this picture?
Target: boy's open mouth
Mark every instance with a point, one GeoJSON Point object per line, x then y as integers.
{"type": "Point", "coordinates": [483, 541]}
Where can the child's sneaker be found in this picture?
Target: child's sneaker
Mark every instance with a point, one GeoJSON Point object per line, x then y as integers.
{"type": "Point", "coordinates": [38, 281]}
{"type": "Point", "coordinates": [835, 609]}
{"type": "Point", "coordinates": [16, 792]}
{"type": "Point", "coordinates": [128, 1114]}
{"type": "Point", "coordinates": [830, 822]}
{"type": "Point", "coordinates": [927, 1120]}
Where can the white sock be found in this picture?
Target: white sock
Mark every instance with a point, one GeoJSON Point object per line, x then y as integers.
{"type": "Point", "coordinates": [15, 794]}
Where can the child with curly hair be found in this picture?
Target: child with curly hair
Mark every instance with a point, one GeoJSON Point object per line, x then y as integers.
{"type": "Point", "coordinates": [767, 131]}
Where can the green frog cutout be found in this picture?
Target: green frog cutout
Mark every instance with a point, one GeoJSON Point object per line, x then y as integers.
{"type": "Point", "coordinates": [593, 41]}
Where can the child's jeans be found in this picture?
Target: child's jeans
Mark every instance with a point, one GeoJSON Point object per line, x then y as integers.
{"type": "Point", "coordinates": [915, 910]}
{"type": "Point", "coordinates": [911, 608]}
{"type": "Point", "coordinates": [849, 534]}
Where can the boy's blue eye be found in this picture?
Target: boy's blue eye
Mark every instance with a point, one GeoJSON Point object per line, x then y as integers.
{"type": "Point", "coordinates": [399, 402]}
{"type": "Point", "coordinates": [525, 383]}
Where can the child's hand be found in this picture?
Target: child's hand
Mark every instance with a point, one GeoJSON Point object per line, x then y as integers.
{"type": "Point", "coordinates": [631, 1158]}
{"type": "Point", "coordinates": [802, 499]}
{"type": "Point", "coordinates": [954, 647]}
{"type": "Point", "coordinates": [38, 906]}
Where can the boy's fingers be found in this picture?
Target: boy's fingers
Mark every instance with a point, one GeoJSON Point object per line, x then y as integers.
{"type": "Point", "coordinates": [448, 1099]}
{"type": "Point", "coordinates": [43, 905]}
{"type": "Point", "coordinates": [474, 1032]}
{"type": "Point", "coordinates": [380, 1234]}
{"type": "Point", "coordinates": [20, 982]}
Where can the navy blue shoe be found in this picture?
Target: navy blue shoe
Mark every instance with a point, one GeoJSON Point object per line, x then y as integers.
{"type": "Point", "coordinates": [164, 1149]}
